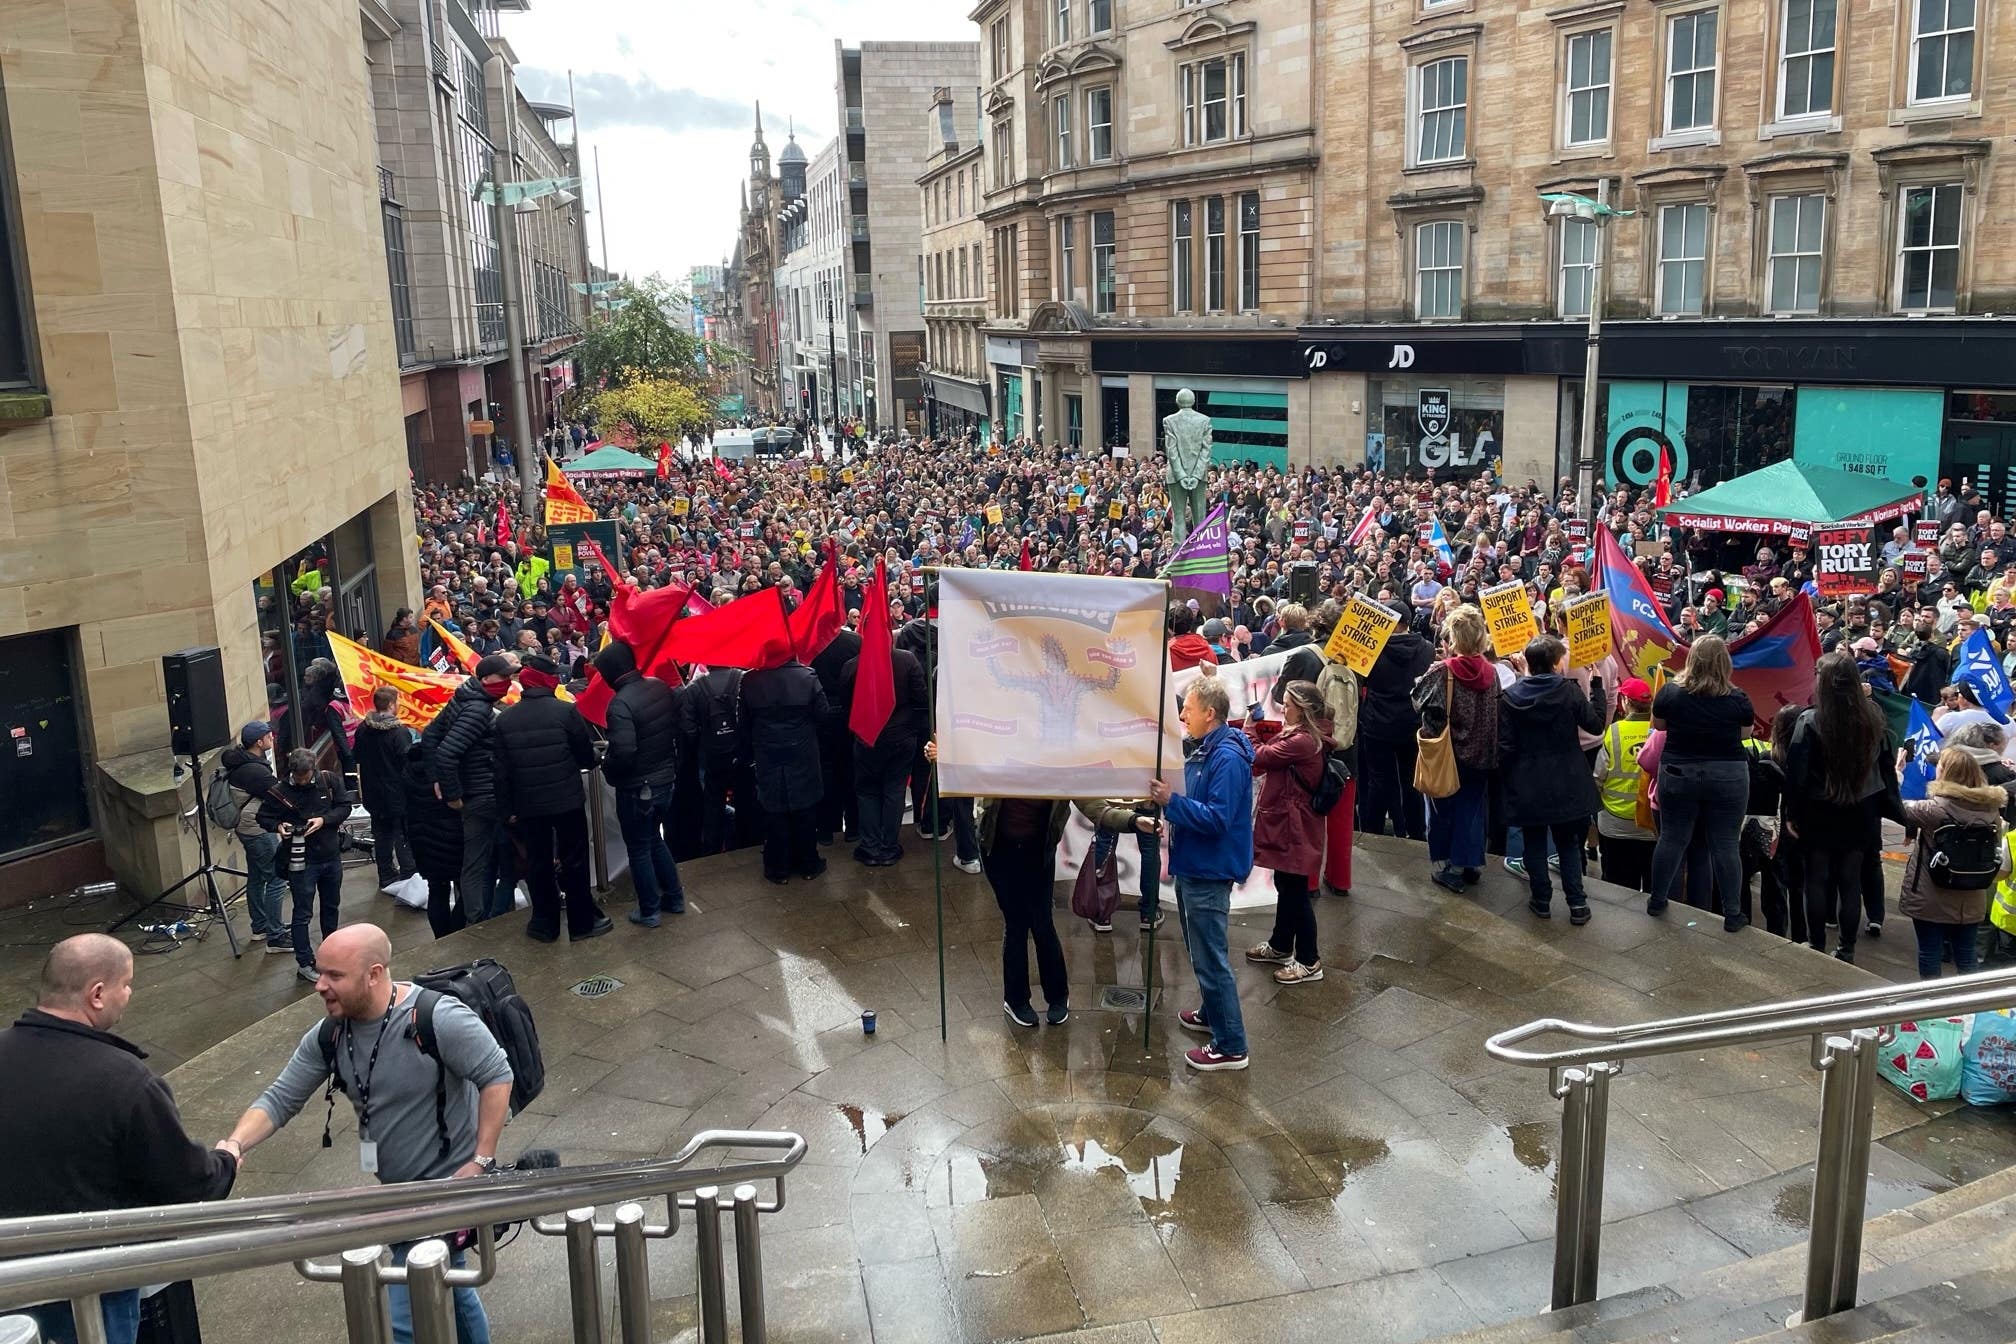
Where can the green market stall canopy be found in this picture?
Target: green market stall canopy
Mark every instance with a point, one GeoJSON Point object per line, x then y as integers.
{"type": "Point", "coordinates": [1772, 500]}
{"type": "Point", "coordinates": [611, 461]}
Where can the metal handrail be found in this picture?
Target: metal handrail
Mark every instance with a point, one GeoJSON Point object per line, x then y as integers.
{"type": "Point", "coordinates": [400, 1213]}
{"type": "Point", "coordinates": [67, 1231]}
{"type": "Point", "coordinates": [1758, 1024]}
{"type": "Point", "coordinates": [1848, 1032]}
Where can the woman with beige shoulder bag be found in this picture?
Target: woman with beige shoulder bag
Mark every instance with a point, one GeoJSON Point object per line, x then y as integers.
{"type": "Point", "coordinates": [1454, 764]}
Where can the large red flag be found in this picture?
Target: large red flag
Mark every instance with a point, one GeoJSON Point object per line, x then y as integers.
{"type": "Point", "coordinates": [642, 618]}
{"type": "Point", "coordinates": [1662, 488]}
{"type": "Point", "coordinates": [1024, 564]}
{"type": "Point", "coordinates": [874, 675]}
{"type": "Point", "coordinates": [1774, 663]}
{"type": "Point", "coordinates": [503, 525]}
{"type": "Point", "coordinates": [593, 702]}
{"type": "Point", "coordinates": [820, 616]}
{"type": "Point", "coordinates": [749, 633]}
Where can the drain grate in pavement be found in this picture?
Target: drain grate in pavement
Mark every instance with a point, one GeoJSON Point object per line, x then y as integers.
{"type": "Point", "coordinates": [1123, 998]}
{"type": "Point", "coordinates": [596, 986]}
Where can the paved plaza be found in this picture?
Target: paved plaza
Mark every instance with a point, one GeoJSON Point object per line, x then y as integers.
{"type": "Point", "coordinates": [1373, 1166]}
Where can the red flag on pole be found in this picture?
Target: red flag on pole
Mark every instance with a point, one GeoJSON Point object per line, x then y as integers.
{"type": "Point", "coordinates": [1024, 563]}
{"type": "Point", "coordinates": [820, 616]}
{"type": "Point", "coordinates": [643, 618]}
{"type": "Point", "coordinates": [1662, 488]}
{"type": "Point", "coordinates": [503, 525]}
{"type": "Point", "coordinates": [747, 633]}
{"type": "Point", "coordinates": [875, 674]}
{"type": "Point", "coordinates": [664, 460]}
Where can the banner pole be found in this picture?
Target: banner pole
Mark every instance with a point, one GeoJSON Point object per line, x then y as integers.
{"type": "Point", "coordinates": [937, 840]}
{"type": "Point", "coordinates": [1161, 721]}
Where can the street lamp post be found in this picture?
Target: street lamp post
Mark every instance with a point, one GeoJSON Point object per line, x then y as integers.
{"type": "Point", "coordinates": [833, 366]}
{"type": "Point", "coordinates": [1599, 212]}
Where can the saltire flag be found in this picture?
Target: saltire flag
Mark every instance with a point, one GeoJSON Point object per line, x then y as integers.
{"type": "Point", "coordinates": [461, 654]}
{"type": "Point", "coordinates": [1978, 666]}
{"type": "Point", "coordinates": [1365, 527]}
{"type": "Point", "coordinates": [1662, 487]}
{"type": "Point", "coordinates": [875, 674]}
{"type": "Point", "coordinates": [748, 633]}
{"type": "Point", "coordinates": [563, 502]}
{"type": "Point", "coordinates": [820, 616]}
{"type": "Point", "coordinates": [1203, 561]}
{"type": "Point", "coordinates": [1638, 627]}
{"type": "Point", "coordinates": [1440, 540]}
{"type": "Point", "coordinates": [1049, 685]}
{"type": "Point", "coordinates": [1922, 745]}
{"type": "Point", "coordinates": [1774, 663]}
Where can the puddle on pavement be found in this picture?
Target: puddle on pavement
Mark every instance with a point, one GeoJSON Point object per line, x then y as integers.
{"type": "Point", "coordinates": [1531, 1143]}
{"type": "Point", "coordinates": [1793, 1206]}
{"type": "Point", "coordinates": [869, 1125]}
{"type": "Point", "coordinates": [1354, 1153]}
{"type": "Point", "coordinates": [1151, 1175]}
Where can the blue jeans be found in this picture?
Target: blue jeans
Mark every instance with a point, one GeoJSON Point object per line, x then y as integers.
{"type": "Point", "coordinates": [642, 821]}
{"type": "Point", "coordinates": [1207, 914]}
{"type": "Point", "coordinates": [121, 1311]}
{"type": "Point", "coordinates": [1456, 823]}
{"type": "Point", "coordinates": [471, 1325]}
{"type": "Point", "coordinates": [1151, 865]}
{"type": "Point", "coordinates": [263, 885]}
{"type": "Point", "coordinates": [1935, 940]}
{"type": "Point", "coordinates": [318, 876]}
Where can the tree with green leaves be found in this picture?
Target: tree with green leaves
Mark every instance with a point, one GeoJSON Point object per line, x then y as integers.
{"type": "Point", "coordinates": [637, 336]}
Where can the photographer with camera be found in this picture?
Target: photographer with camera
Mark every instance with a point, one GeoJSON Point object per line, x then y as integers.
{"type": "Point", "coordinates": [430, 1084]}
{"type": "Point", "coordinates": [307, 812]}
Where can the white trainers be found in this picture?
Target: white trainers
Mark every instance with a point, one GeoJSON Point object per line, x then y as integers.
{"type": "Point", "coordinates": [967, 865]}
{"type": "Point", "coordinates": [1097, 927]}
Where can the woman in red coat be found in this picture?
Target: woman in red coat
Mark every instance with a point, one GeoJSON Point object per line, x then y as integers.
{"type": "Point", "coordinates": [1287, 833]}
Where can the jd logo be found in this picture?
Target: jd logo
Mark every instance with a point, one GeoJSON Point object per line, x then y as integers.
{"type": "Point", "coordinates": [1403, 357]}
{"type": "Point", "coordinates": [1317, 356]}
{"type": "Point", "coordinates": [1431, 408]}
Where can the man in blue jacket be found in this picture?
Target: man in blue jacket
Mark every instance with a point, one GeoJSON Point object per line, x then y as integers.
{"type": "Point", "coordinates": [1210, 848]}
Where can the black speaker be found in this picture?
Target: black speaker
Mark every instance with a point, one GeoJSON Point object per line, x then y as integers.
{"type": "Point", "coordinates": [1302, 582]}
{"type": "Point", "coordinates": [199, 720]}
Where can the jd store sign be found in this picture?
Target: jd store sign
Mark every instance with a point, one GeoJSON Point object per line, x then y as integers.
{"type": "Point", "coordinates": [1432, 411]}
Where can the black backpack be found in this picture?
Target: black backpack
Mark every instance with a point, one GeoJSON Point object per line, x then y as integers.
{"type": "Point", "coordinates": [721, 734]}
{"type": "Point", "coordinates": [1964, 855]}
{"type": "Point", "coordinates": [222, 801]}
{"type": "Point", "coordinates": [486, 987]}
{"type": "Point", "coordinates": [1329, 787]}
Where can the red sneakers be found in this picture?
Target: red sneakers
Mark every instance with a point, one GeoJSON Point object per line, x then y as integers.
{"type": "Point", "coordinates": [1206, 1059]}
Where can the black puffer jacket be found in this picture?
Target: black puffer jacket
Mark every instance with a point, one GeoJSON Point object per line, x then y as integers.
{"type": "Point", "coordinates": [829, 667]}
{"type": "Point", "coordinates": [458, 745]}
{"type": "Point", "coordinates": [542, 748]}
{"type": "Point", "coordinates": [381, 760]}
{"type": "Point", "coordinates": [1540, 761]}
{"type": "Point", "coordinates": [644, 724]}
{"type": "Point", "coordinates": [292, 804]}
{"type": "Point", "coordinates": [432, 827]}
{"type": "Point", "coordinates": [1388, 712]}
{"type": "Point", "coordinates": [781, 711]}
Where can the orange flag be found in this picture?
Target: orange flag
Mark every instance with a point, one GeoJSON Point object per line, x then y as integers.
{"type": "Point", "coordinates": [563, 502]}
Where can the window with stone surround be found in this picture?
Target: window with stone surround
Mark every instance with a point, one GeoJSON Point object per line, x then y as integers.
{"type": "Point", "coordinates": [1942, 50]}
{"type": "Point", "coordinates": [1579, 241]}
{"type": "Point", "coordinates": [1683, 259]}
{"type": "Point", "coordinates": [1213, 99]}
{"type": "Point", "coordinates": [1249, 251]}
{"type": "Point", "coordinates": [997, 50]}
{"type": "Point", "coordinates": [1099, 124]}
{"type": "Point", "coordinates": [1060, 129]}
{"type": "Point", "coordinates": [1690, 71]}
{"type": "Point", "coordinates": [1438, 269]}
{"type": "Point", "coordinates": [1442, 105]}
{"type": "Point", "coordinates": [1105, 280]}
{"type": "Point", "coordinates": [1062, 29]}
{"type": "Point", "coordinates": [1214, 254]}
{"type": "Point", "coordinates": [1098, 16]}
{"type": "Point", "coordinates": [1796, 242]}
{"type": "Point", "coordinates": [1806, 59]}
{"type": "Point", "coordinates": [1004, 151]}
{"type": "Point", "coordinates": [1586, 104]}
{"type": "Point", "coordinates": [1182, 241]}
{"type": "Point", "coordinates": [1067, 251]}
{"type": "Point", "coordinates": [1928, 253]}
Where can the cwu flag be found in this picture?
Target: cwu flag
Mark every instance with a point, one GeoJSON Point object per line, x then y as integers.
{"type": "Point", "coordinates": [1204, 560]}
{"type": "Point", "coordinates": [1980, 668]}
{"type": "Point", "coordinates": [1922, 745]}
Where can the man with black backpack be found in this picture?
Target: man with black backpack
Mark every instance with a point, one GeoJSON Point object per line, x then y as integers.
{"type": "Point", "coordinates": [248, 780]}
{"type": "Point", "coordinates": [432, 1084]}
{"type": "Point", "coordinates": [713, 708]}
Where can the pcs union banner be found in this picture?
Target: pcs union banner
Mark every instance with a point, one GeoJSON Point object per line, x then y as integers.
{"type": "Point", "coordinates": [1047, 685]}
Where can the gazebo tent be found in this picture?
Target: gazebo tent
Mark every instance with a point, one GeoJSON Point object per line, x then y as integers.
{"type": "Point", "coordinates": [610, 461]}
{"type": "Point", "coordinates": [1771, 500]}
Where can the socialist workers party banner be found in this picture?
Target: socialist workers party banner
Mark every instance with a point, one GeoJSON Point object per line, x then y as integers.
{"type": "Point", "coordinates": [1509, 613]}
{"type": "Point", "coordinates": [1588, 630]}
{"type": "Point", "coordinates": [1047, 685]}
{"type": "Point", "coordinates": [1361, 634]}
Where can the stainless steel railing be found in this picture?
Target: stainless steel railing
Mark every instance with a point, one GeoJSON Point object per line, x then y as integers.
{"type": "Point", "coordinates": [1847, 1032]}
{"type": "Point", "coordinates": [77, 1257]}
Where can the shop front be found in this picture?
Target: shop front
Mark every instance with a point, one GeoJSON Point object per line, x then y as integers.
{"type": "Point", "coordinates": [956, 408]}
{"type": "Point", "coordinates": [1247, 383]}
{"type": "Point", "coordinates": [1013, 370]}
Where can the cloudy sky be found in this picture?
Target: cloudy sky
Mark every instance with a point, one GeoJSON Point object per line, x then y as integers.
{"type": "Point", "coordinates": [667, 92]}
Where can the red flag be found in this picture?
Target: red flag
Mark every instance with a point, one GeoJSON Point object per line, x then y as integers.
{"type": "Point", "coordinates": [503, 525]}
{"type": "Point", "coordinates": [1774, 663]}
{"type": "Point", "coordinates": [721, 470]}
{"type": "Point", "coordinates": [593, 702]}
{"type": "Point", "coordinates": [1024, 564]}
{"type": "Point", "coordinates": [820, 616]}
{"type": "Point", "coordinates": [874, 675]}
{"type": "Point", "coordinates": [643, 618]}
{"type": "Point", "coordinates": [664, 460]}
{"type": "Point", "coordinates": [749, 633]}
{"type": "Point", "coordinates": [1662, 488]}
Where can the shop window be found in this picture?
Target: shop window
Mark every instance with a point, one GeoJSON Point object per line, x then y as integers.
{"type": "Point", "coordinates": [1942, 50]}
{"type": "Point", "coordinates": [1683, 259]}
{"type": "Point", "coordinates": [1104, 281]}
{"type": "Point", "coordinates": [1182, 275]}
{"type": "Point", "coordinates": [1579, 242]}
{"type": "Point", "coordinates": [1690, 72]}
{"type": "Point", "coordinates": [1588, 90]}
{"type": "Point", "coordinates": [1438, 269]}
{"type": "Point", "coordinates": [1249, 251]}
{"type": "Point", "coordinates": [1099, 125]}
{"type": "Point", "coordinates": [1793, 284]}
{"type": "Point", "coordinates": [1928, 258]}
{"type": "Point", "coordinates": [1213, 99]}
{"type": "Point", "coordinates": [1806, 59]}
{"type": "Point", "coordinates": [1442, 99]}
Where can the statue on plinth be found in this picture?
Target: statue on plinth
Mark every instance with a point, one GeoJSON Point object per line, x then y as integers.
{"type": "Point", "coordinates": [1186, 454]}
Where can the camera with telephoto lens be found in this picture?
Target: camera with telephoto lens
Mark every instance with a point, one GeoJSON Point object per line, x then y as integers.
{"type": "Point", "coordinates": [532, 1159]}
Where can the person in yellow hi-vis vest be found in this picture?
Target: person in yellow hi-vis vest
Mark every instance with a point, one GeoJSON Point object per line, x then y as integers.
{"type": "Point", "coordinates": [1625, 846]}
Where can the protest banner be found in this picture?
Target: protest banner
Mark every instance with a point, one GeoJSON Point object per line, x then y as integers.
{"type": "Point", "coordinates": [681, 507]}
{"type": "Point", "coordinates": [1301, 532]}
{"type": "Point", "coordinates": [569, 544]}
{"type": "Point", "coordinates": [1588, 630]}
{"type": "Point", "coordinates": [818, 475]}
{"type": "Point", "coordinates": [847, 475]}
{"type": "Point", "coordinates": [1509, 613]}
{"type": "Point", "coordinates": [1247, 683]}
{"type": "Point", "coordinates": [1799, 534]}
{"type": "Point", "coordinates": [1116, 510]}
{"type": "Point", "coordinates": [1048, 685]}
{"type": "Point", "coordinates": [1917, 564]}
{"type": "Point", "coordinates": [1578, 531]}
{"type": "Point", "coordinates": [1361, 633]}
{"type": "Point", "coordinates": [1845, 561]}
{"type": "Point", "coordinates": [1925, 532]}
{"type": "Point", "coordinates": [994, 515]}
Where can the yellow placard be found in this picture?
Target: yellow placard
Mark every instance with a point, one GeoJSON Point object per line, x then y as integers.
{"type": "Point", "coordinates": [818, 475]}
{"type": "Point", "coordinates": [847, 475]}
{"type": "Point", "coordinates": [563, 555]}
{"type": "Point", "coordinates": [1362, 631]}
{"type": "Point", "coordinates": [994, 514]}
{"type": "Point", "coordinates": [1589, 630]}
{"type": "Point", "coordinates": [681, 506]}
{"type": "Point", "coordinates": [1116, 510]}
{"type": "Point", "coordinates": [1510, 615]}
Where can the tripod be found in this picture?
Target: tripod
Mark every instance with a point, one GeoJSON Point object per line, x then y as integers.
{"type": "Point", "coordinates": [206, 871]}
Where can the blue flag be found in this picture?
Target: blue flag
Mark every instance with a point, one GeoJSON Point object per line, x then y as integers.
{"type": "Point", "coordinates": [1921, 751]}
{"type": "Point", "coordinates": [1441, 543]}
{"type": "Point", "coordinates": [1981, 668]}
